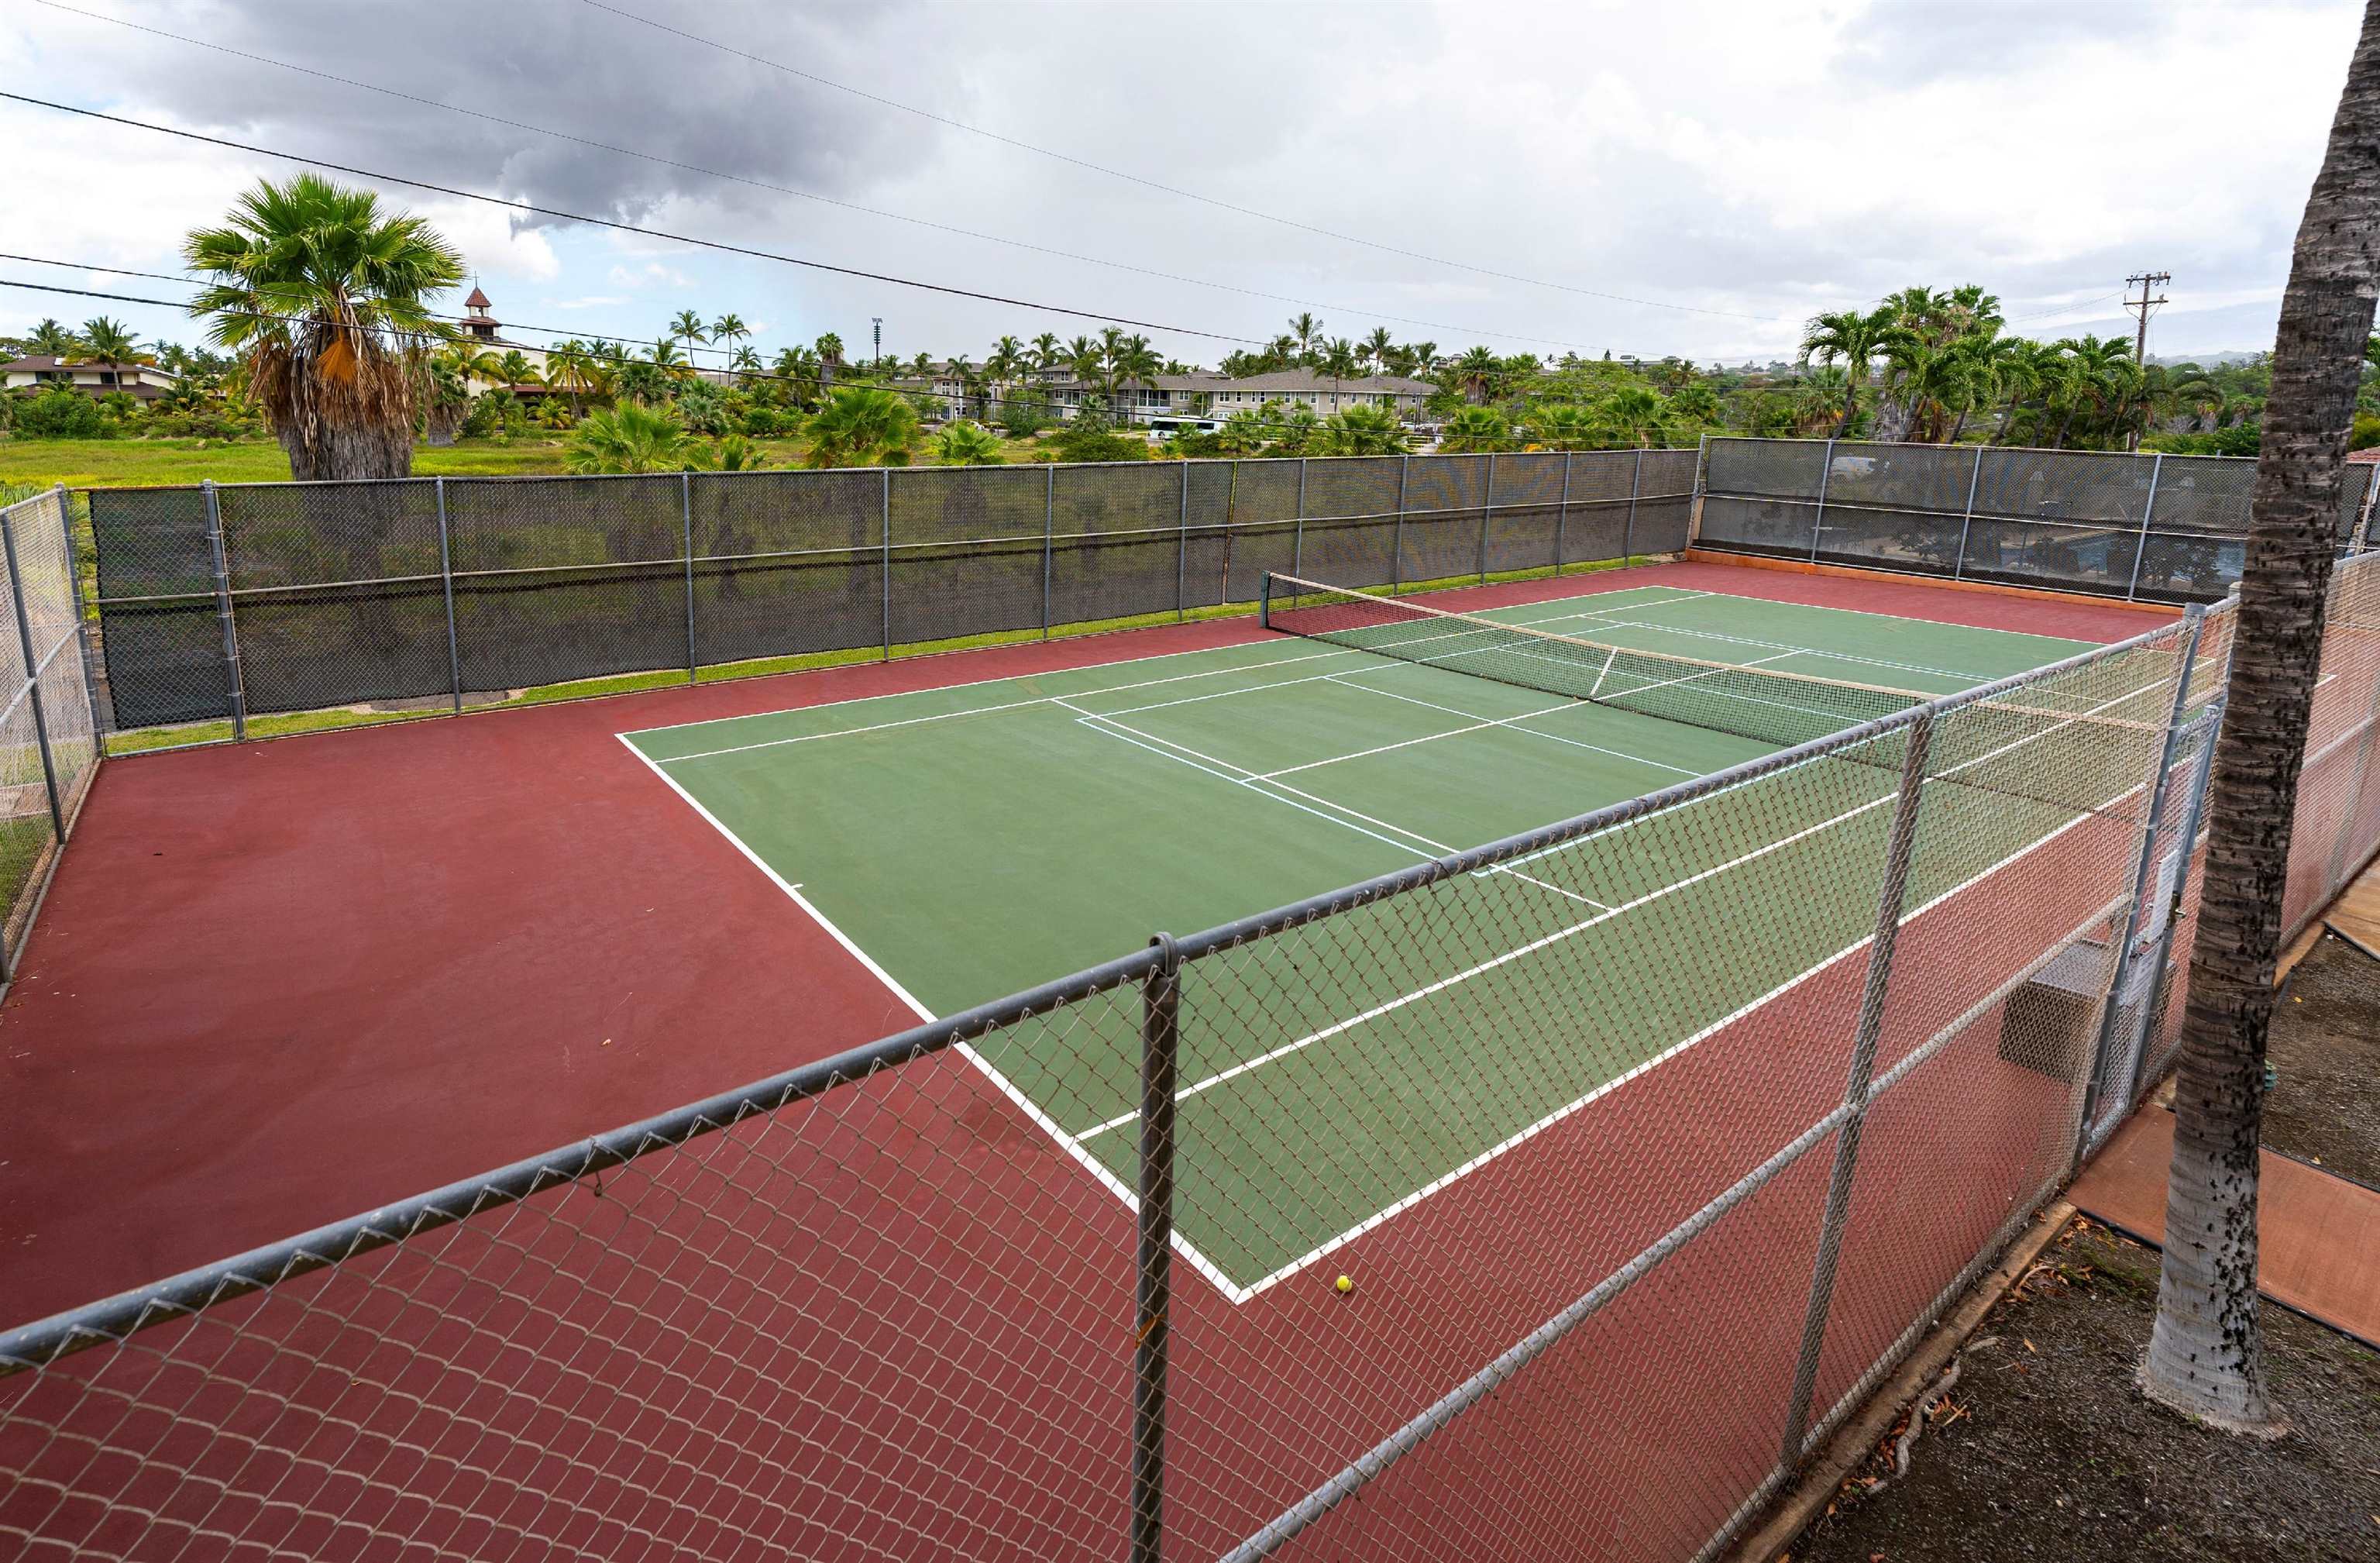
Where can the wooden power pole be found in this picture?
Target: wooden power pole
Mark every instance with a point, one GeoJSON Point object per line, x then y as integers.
{"type": "Point", "coordinates": [2142, 306]}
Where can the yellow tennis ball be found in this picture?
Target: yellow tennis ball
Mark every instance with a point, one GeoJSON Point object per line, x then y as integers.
{"type": "Point", "coordinates": [1346, 1283]}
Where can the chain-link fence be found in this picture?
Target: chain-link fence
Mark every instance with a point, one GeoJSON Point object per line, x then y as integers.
{"type": "Point", "coordinates": [224, 603]}
{"type": "Point", "coordinates": [49, 745]}
{"type": "Point", "coordinates": [2151, 526]}
{"type": "Point", "coordinates": [1646, 1143]}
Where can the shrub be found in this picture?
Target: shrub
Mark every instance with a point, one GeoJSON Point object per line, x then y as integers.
{"type": "Point", "coordinates": [57, 413]}
{"type": "Point", "coordinates": [1088, 438]}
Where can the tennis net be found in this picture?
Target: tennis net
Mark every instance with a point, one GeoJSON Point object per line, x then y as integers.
{"type": "Point", "coordinates": [2117, 715]}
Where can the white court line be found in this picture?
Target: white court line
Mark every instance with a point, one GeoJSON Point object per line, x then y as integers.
{"type": "Point", "coordinates": [1239, 775]}
{"type": "Point", "coordinates": [1350, 681]}
{"type": "Point", "coordinates": [1604, 622]}
{"type": "Point", "coordinates": [1478, 724]}
{"type": "Point", "coordinates": [1558, 936]}
{"type": "Point", "coordinates": [1041, 1119]}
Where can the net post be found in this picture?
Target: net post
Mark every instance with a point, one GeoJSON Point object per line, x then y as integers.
{"type": "Point", "coordinates": [1628, 527]}
{"type": "Point", "coordinates": [685, 534]}
{"type": "Point", "coordinates": [2144, 874]}
{"type": "Point", "coordinates": [2140, 544]}
{"type": "Point", "coordinates": [1182, 562]}
{"type": "Point", "coordinates": [1297, 548]}
{"type": "Point", "coordinates": [1397, 541]}
{"type": "Point", "coordinates": [446, 582]}
{"type": "Point", "coordinates": [1967, 516]}
{"type": "Point", "coordinates": [82, 622]}
{"type": "Point", "coordinates": [1818, 522]}
{"type": "Point", "coordinates": [1696, 490]}
{"type": "Point", "coordinates": [1263, 603]}
{"type": "Point", "coordinates": [1561, 512]}
{"type": "Point", "coordinates": [32, 673]}
{"type": "Point", "coordinates": [1160, 1032]}
{"type": "Point", "coordinates": [1487, 517]}
{"type": "Point", "coordinates": [884, 535]}
{"type": "Point", "coordinates": [1048, 526]}
{"type": "Point", "coordinates": [218, 560]}
{"type": "Point", "coordinates": [1900, 851]}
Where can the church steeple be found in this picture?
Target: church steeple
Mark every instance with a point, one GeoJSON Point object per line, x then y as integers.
{"type": "Point", "coordinates": [478, 322]}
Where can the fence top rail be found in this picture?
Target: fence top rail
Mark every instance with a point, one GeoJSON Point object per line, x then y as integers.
{"type": "Point", "coordinates": [112, 1320]}
{"type": "Point", "coordinates": [1964, 448]}
{"type": "Point", "coordinates": [1622, 456]}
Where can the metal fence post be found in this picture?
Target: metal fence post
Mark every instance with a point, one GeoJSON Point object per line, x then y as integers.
{"type": "Point", "coordinates": [1397, 539]}
{"type": "Point", "coordinates": [2141, 547]}
{"type": "Point", "coordinates": [685, 521]}
{"type": "Point", "coordinates": [32, 674]}
{"type": "Point", "coordinates": [1487, 518]}
{"type": "Point", "coordinates": [2360, 777]}
{"type": "Point", "coordinates": [2193, 816]}
{"type": "Point", "coordinates": [83, 624]}
{"type": "Point", "coordinates": [1297, 547]}
{"type": "Point", "coordinates": [1049, 521]}
{"type": "Point", "coordinates": [2363, 537]}
{"type": "Point", "coordinates": [1818, 522]}
{"type": "Point", "coordinates": [884, 514]}
{"type": "Point", "coordinates": [1182, 563]}
{"type": "Point", "coordinates": [446, 577]}
{"type": "Point", "coordinates": [1628, 527]}
{"type": "Point", "coordinates": [2143, 870]}
{"type": "Point", "coordinates": [219, 560]}
{"type": "Point", "coordinates": [1561, 513]}
{"type": "Point", "coordinates": [1897, 853]}
{"type": "Point", "coordinates": [1160, 1034]}
{"type": "Point", "coordinates": [1967, 517]}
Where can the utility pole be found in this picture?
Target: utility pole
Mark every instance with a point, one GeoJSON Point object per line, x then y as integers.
{"type": "Point", "coordinates": [2143, 307]}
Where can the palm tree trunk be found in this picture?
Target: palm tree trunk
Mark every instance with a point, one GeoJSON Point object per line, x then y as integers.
{"type": "Point", "coordinates": [1851, 405]}
{"type": "Point", "coordinates": [2206, 1354]}
{"type": "Point", "coordinates": [1960, 425]}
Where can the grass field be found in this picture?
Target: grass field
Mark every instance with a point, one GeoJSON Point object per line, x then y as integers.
{"type": "Point", "coordinates": [969, 841]}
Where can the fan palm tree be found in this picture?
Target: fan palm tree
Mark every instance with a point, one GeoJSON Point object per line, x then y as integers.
{"type": "Point", "coordinates": [732, 454]}
{"type": "Point", "coordinates": [962, 443]}
{"type": "Point", "coordinates": [629, 438]}
{"type": "Point", "coordinates": [1637, 416]}
{"type": "Point", "coordinates": [1363, 430]}
{"type": "Point", "coordinates": [1560, 426]}
{"type": "Point", "coordinates": [1852, 339]}
{"type": "Point", "coordinates": [325, 297]}
{"type": "Point", "coordinates": [858, 421]}
{"type": "Point", "coordinates": [1476, 429]}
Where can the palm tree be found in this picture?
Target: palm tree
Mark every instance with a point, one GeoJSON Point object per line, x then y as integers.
{"type": "Point", "coordinates": [1476, 429]}
{"type": "Point", "coordinates": [1045, 351]}
{"type": "Point", "coordinates": [1562, 426]}
{"type": "Point", "coordinates": [965, 444]}
{"type": "Point", "coordinates": [729, 329]}
{"type": "Point", "coordinates": [1363, 430]}
{"type": "Point", "coordinates": [1126, 360]}
{"type": "Point", "coordinates": [1305, 328]}
{"type": "Point", "coordinates": [1477, 373]}
{"type": "Point", "coordinates": [110, 341]}
{"type": "Point", "coordinates": [2205, 1353]}
{"type": "Point", "coordinates": [570, 366]}
{"type": "Point", "coordinates": [964, 372]}
{"type": "Point", "coordinates": [798, 367]}
{"type": "Point", "coordinates": [1338, 359]}
{"type": "Point", "coordinates": [51, 340]}
{"type": "Point", "coordinates": [1377, 346]}
{"type": "Point", "coordinates": [1006, 359]}
{"type": "Point", "coordinates": [687, 325]}
{"type": "Point", "coordinates": [829, 356]}
{"type": "Point", "coordinates": [1424, 355]}
{"type": "Point", "coordinates": [325, 296]}
{"type": "Point", "coordinates": [629, 438]}
{"type": "Point", "coordinates": [858, 421]}
{"type": "Point", "coordinates": [1852, 339]}
{"type": "Point", "coordinates": [1635, 416]}
{"type": "Point", "coordinates": [2088, 373]}
{"type": "Point", "coordinates": [514, 368]}
{"type": "Point", "coordinates": [732, 454]}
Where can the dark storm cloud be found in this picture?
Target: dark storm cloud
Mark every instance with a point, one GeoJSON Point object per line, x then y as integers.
{"type": "Point", "coordinates": [555, 64]}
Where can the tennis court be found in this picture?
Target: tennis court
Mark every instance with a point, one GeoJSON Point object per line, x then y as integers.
{"type": "Point", "coordinates": [972, 840]}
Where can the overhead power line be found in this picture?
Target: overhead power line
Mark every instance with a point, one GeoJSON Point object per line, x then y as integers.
{"type": "Point", "coordinates": [616, 226]}
{"type": "Point", "coordinates": [782, 189]}
{"type": "Point", "coordinates": [1169, 189]}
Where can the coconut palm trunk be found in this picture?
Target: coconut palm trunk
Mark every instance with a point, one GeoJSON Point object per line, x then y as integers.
{"type": "Point", "coordinates": [2205, 1354]}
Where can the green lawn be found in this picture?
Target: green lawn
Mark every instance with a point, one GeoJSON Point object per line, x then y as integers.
{"type": "Point", "coordinates": [976, 839]}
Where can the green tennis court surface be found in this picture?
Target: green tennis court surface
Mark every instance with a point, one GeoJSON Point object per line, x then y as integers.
{"type": "Point", "coordinates": [973, 840]}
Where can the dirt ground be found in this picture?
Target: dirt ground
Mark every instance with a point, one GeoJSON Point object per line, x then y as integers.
{"type": "Point", "coordinates": [2043, 1448]}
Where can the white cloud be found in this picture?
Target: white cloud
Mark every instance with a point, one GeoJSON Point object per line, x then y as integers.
{"type": "Point", "coordinates": [592, 301]}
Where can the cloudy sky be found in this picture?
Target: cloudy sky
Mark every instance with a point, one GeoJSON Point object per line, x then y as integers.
{"type": "Point", "coordinates": [1650, 176]}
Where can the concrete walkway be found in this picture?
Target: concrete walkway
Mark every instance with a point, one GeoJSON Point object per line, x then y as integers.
{"type": "Point", "coordinates": [2318, 1237]}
